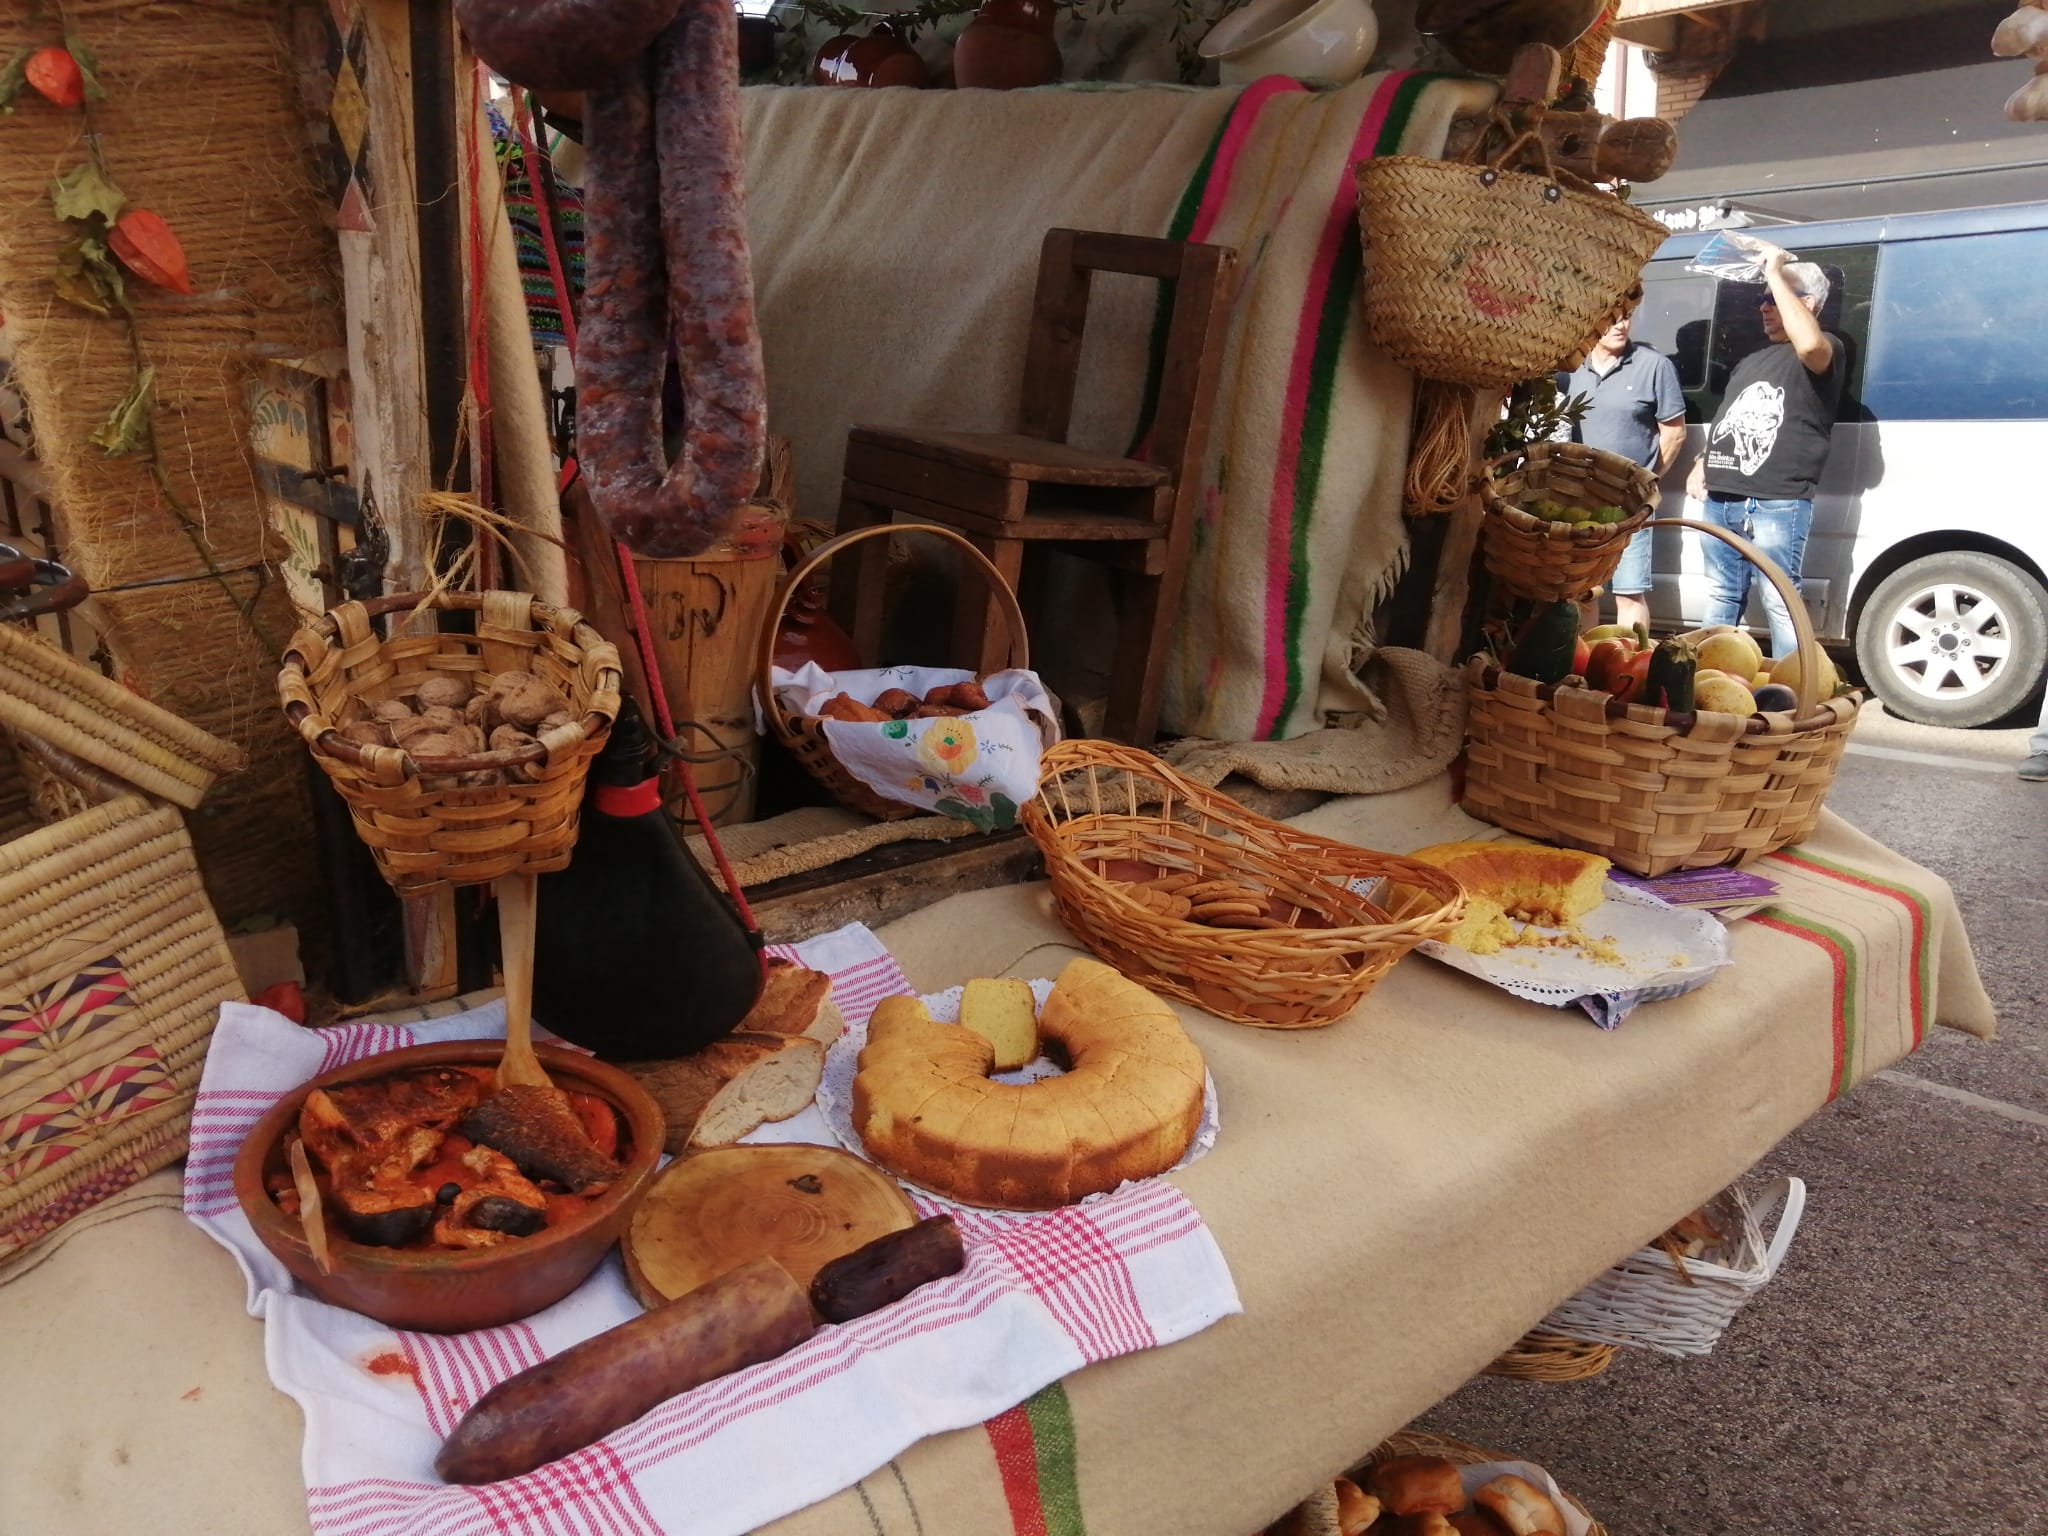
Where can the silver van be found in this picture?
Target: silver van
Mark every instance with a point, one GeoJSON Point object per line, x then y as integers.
{"type": "Point", "coordinates": [1929, 550]}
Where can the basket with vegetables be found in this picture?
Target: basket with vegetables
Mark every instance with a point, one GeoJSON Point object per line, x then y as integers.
{"type": "Point", "coordinates": [1676, 755]}
{"type": "Point", "coordinates": [1559, 515]}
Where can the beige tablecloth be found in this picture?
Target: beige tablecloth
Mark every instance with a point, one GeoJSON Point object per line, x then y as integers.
{"type": "Point", "coordinates": [1399, 1196]}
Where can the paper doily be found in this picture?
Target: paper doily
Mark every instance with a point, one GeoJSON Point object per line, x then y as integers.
{"type": "Point", "coordinates": [835, 1099]}
{"type": "Point", "coordinates": [1663, 949]}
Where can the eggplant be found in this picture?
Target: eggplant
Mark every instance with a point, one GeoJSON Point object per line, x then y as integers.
{"type": "Point", "coordinates": [383, 1216]}
{"type": "Point", "coordinates": [501, 1213]}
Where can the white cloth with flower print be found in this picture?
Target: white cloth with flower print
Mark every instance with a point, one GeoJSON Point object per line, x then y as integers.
{"type": "Point", "coordinates": [979, 767]}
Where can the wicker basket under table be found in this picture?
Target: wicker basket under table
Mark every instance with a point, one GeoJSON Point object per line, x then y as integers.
{"type": "Point", "coordinates": [1650, 790]}
{"type": "Point", "coordinates": [1541, 1355]}
{"type": "Point", "coordinates": [1533, 557]}
{"type": "Point", "coordinates": [1106, 815]}
{"type": "Point", "coordinates": [1317, 1515]}
{"type": "Point", "coordinates": [425, 833]}
{"type": "Point", "coordinates": [113, 966]}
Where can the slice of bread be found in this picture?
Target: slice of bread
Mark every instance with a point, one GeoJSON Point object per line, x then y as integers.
{"type": "Point", "coordinates": [1003, 1012]}
{"type": "Point", "coordinates": [795, 1003]}
{"type": "Point", "coordinates": [731, 1087]}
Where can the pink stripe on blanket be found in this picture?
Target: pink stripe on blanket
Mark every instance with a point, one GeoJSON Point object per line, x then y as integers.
{"type": "Point", "coordinates": [1280, 513]}
{"type": "Point", "coordinates": [1244, 116]}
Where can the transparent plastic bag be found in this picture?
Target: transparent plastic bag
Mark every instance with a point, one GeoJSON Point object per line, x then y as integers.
{"type": "Point", "coordinates": [1732, 257]}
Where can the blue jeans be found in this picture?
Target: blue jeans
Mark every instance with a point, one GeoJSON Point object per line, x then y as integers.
{"type": "Point", "coordinates": [1631, 577]}
{"type": "Point", "coordinates": [1779, 529]}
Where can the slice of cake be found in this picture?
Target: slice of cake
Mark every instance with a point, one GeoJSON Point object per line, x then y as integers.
{"type": "Point", "coordinates": [1552, 887]}
{"type": "Point", "coordinates": [1003, 1012]}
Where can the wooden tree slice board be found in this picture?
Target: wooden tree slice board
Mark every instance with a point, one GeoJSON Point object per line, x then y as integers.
{"type": "Point", "coordinates": [800, 1205]}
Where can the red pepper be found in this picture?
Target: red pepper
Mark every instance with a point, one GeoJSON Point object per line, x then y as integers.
{"type": "Point", "coordinates": [56, 76]}
{"type": "Point", "coordinates": [1632, 679]}
{"type": "Point", "coordinates": [1581, 657]}
{"type": "Point", "coordinates": [1604, 665]}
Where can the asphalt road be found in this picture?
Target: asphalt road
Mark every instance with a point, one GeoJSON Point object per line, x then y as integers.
{"type": "Point", "coordinates": [1893, 1379]}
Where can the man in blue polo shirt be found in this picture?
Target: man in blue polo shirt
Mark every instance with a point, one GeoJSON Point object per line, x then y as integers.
{"type": "Point", "coordinates": [1637, 411]}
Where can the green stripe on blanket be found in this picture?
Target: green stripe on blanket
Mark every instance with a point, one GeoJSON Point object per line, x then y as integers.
{"type": "Point", "coordinates": [1034, 1448]}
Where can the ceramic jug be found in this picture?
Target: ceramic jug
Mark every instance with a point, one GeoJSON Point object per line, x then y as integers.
{"type": "Point", "coordinates": [1007, 46]}
{"type": "Point", "coordinates": [883, 57]}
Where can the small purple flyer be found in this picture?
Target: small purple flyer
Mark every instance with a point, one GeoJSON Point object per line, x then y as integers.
{"type": "Point", "coordinates": [1706, 888]}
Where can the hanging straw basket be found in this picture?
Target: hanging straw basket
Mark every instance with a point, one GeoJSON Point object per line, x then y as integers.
{"type": "Point", "coordinates": [1651, 790]}
{"type": "Point", "coordinates": [1496, 268]}
{"type": "Point", "coordinates": [804, 735]}
{"type": "Point", "coordinates": [1682, 1307]}
{"type": "Point", "coordinates": [1529, 555]}
{"type": "Point", "coordinates": [1587, 57]}
{"type": "Point", "coordinates": [1272, 931]}
{"type": "Point", "coordinates": [426, 829]}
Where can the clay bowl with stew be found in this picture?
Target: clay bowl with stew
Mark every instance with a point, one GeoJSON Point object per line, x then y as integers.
{"type": "Point", "coordinates": [439, 1290]}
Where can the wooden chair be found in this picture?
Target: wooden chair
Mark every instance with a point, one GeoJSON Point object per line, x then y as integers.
{"type": "Point", "coordinates": [1004, 490]}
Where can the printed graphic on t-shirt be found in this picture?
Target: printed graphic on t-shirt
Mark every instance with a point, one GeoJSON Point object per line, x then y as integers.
{"type": "Point", "coordinates": [1751, 425]}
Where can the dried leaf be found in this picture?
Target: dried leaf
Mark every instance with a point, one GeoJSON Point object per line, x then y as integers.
{"type": "Point", "coordinates": [86, 276]}
{"type": "Point", "coordinates": [82, 193]}
{"type": "Point", "coordinates": [88, 66]}
{"type": "Point", "coordinates": [127, 425]}
{"type": "Point", "coordinates": [12, 78]}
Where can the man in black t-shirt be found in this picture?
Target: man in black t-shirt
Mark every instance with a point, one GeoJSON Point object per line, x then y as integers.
{"type": "Point", "coordinates": [1769, 443]}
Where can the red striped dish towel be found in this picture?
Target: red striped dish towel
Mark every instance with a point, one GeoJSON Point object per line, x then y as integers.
{"type": "Point", "coordinates": [1041, 1297]}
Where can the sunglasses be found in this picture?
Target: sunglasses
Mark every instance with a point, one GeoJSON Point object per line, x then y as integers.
{"type": "Point", "coordinates": [1768, 303]}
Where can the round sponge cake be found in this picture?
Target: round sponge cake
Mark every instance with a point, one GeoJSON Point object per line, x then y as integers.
{"type": "Point", "coordinates": [1126, 1108]}
{"type": "Point", "coordinates": [1504, 878]}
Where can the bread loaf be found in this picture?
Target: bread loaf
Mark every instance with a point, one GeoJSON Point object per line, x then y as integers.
{"type": "Point", "coordinates": [795, 1003]}
{"type": "Point", "coordinates": [1356, 1509]}
{"type": "Point", "coordinates": [1521, 1506]}
{"type": "Point", "coordinates": [1418, 1485]}
{"type": "Point", "coordinates": [731, 1087]}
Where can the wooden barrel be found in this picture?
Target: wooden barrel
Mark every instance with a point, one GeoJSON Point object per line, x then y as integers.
{"type": "Point", "coordinates": [705, 615]}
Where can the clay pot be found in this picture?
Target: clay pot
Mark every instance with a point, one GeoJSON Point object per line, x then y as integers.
{"type": "Point", "coordinates": [1007, 47]}
{"type": "Point", "coordinates": [439, 1291]}
{"type": "Point", "coordinates": [883, 57]}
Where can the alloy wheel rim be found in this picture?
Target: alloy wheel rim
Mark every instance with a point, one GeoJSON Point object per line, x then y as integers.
{"type": "Point", "coordinates": [1948, 641]}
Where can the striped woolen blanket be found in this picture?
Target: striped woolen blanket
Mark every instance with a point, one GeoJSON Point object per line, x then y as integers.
{"type": "Point", "coordinates": [896, 237]}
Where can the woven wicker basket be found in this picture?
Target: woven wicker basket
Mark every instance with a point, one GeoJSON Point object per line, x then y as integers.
{"type": "Point", "coordinates": [1533, 557]}
{"type": "Point", "coordinates": [1649, 790]}
{"type": "Point", "coordinates": [1540, 1355]}
{"type": "Point", "coordinates": [112, 964]}
{"type": "Point", "coordinates": [1484, 273]}
{"type": "Point", "coordinates": [1317, 1514]}
{"type": "Point", "coordinates": [426, 834]}
{"type": "Point", "coordinates": [804, 735]}
{"type": "Point", "coordinates": [1107, 815]}
{"type": "Point", "coordinates": [1648, 1302]}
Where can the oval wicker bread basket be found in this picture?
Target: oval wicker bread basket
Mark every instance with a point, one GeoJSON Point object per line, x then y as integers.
{"type": "Point", "coordinates": [1651, 790]}
{"type": "Point", "coordinates": [1273, 934]}
{"type": "Point", "coordinates": [1484, 273]}
{"type": "Point", "coordinates": [425, 831]}
{"type": "Point", "coordinates": [1543, 1356]}
{"type": "Point", "coordinates": [1533, 557]}
{"type": "Point", "coordinates": [804, 735]}
{"type": "Point", "coordinates": [1418, 1442]}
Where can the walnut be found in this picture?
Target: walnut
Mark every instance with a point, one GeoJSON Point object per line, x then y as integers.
{"type": "Point", "coordinates": [391, 709]}
{"type": "Point", "coordinates": [444, 691]}
{"type": "Point", "coordinates": [521, 699]}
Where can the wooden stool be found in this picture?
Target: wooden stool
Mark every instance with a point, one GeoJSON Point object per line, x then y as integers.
{"type": "Point", "coordinates": [1006, 489]}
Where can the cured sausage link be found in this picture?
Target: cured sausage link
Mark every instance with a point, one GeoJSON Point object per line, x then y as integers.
{"type": "Point", "coordinates": [711, 282]}
{"type": "Point", "coordinates": [561, 44]}
{"type": "Point", "coordinates": [745, 1316]}
{"type": "Point", "coordinates": [621, 350]}
{"type": "Point", "coordinates": [888, 1269]}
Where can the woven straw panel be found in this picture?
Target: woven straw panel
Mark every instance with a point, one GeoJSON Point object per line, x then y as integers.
{"type": "Point", "coordinates": [112, 971]}
{"type": "Point", "coordinates": [1646, 794]}
{"type": "Point", "coordinates": [1533, 557]}
{"type": "Point", "coordinates": [202, 124]}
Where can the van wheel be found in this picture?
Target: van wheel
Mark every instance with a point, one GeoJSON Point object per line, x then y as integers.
{"type": "Point", "coordinates": [1959, 639]}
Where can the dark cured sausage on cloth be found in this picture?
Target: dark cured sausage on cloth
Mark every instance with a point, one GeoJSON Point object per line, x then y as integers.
{"type": "Point", "coordinates": [711, 283]}
{"type": "Point", "coordinates": [622, 349]}
{"type": "Point", "coordinates": [888, 1269]}
{"type": "Point", "coordinates": [561, 45]}
{"type": "Point", "coordinates": [745, 1316]}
